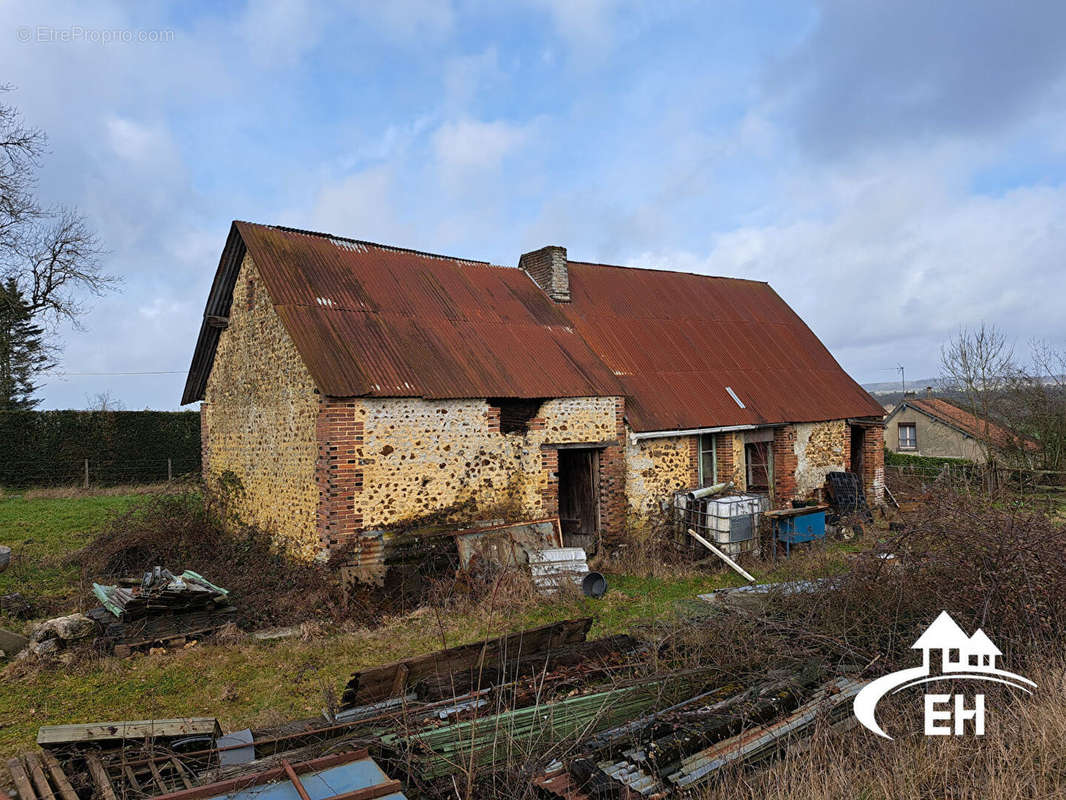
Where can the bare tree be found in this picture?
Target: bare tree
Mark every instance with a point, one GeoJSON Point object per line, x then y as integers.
{"type": "Point", "coordinates": [1037, 397]}
{"type": "Point", "coordinates": [48, 254]}
{"type": "Point", "coordinates": [978, 363]}
{"type": "Point", "coordinates": [104, 401]}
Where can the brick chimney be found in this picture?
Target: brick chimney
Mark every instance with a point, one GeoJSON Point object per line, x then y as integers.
{"type": "Point", "coordinates": [547, 267]}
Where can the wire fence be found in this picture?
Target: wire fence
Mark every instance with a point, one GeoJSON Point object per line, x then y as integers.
{"type": "Point", "coordinates": [88, 473]}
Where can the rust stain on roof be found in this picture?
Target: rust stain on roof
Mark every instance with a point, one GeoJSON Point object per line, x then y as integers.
{"type": "Point", "coordinates": [676, 342]}
{"type": "Point", "coordinates": [371, 320]}
{"type": "Point", "coordinates": [687, 351]}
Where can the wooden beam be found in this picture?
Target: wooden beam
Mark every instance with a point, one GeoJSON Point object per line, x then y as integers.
{"type": "Point", "coordinates": [131, 778]}
{"type": "Point", "coordinates": [59, 777]}
{"type": "Point", "coordinates": [100, 777]}
{"type": "Point", "coordinates": [20, 779]}
{"type": "Point", "coordinates": [50, 735]}
{"type": "Point", "coordinates": [371, 792]}
{"type": "Point", "coordinates": [294, 779]}
{"type": "Point", "coordinates": [180, 769]}
{"type": "Point", "coordinates": [164, 787]}
{"type": "Point", "coordinates": [730, 562]}
{"type": "Point", "coordinates": [33, 764]}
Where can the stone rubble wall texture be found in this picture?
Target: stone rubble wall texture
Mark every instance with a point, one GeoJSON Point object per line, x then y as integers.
{"type": "Point", "coordinates": [656, 468]}
{"type": "Point", "coordinates": [819, 447]}
{"type": "Point", "coordinates": [317, 472]}
{"type": "Point", "coordinates": [387, 463]}
{"type": "Point", "coordinates": [258, 419]}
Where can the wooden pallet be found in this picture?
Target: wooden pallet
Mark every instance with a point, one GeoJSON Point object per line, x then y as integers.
{"type": "Point", "coordinates": [39, 776]}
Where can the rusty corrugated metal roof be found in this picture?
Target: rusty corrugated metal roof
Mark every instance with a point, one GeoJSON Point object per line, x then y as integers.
{"type": "Point", "coordinates": [371, 320]}
{"type": "Point", "coordinates": [676, 341]}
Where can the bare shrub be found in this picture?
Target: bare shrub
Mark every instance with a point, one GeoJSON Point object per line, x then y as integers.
{"type": "Point", "coordinates": [178, 531]}
{"type": "Point", "coordinates": [993, 565]}
{"type": "Point", "coordinates": [1022, 754]}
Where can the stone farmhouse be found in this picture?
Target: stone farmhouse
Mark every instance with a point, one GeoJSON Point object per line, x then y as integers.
{"type": "Point", "coordinates": [355, 387]}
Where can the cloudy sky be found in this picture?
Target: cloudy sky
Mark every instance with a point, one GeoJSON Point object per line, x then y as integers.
{"type": "Point", "coordinates": [894, 168]}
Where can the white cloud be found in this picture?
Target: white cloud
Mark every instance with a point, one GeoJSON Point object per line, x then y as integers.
{"type": "Point", "coordinates": [466, 75]}
{"type": "Point", "coordinates": [360, 206]}
{"type": "Point", "coordinates": [889, 275]}
{"type": "Point", "coordinates": [585, 24]}
{"type": "Point", "coordinates": [469, 145]}
{"type": "Point", "coordinates": [410, 20]}
{"type": "Point", "coordinates": [279, 32]}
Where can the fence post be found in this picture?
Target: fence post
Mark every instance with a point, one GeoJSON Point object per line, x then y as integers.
{"type": "Point", "coordinates": [85, 483]}
{"type": "Point", "coordinates": [170, 470]}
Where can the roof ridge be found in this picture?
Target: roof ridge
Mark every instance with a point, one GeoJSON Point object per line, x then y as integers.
{"type": "Point", "coordinates": [367, 243]}
{"type": "Point", "coordinates": [666, 270]}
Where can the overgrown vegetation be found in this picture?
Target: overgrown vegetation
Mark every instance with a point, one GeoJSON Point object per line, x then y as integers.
{"type": "Point", "coordinates": [182, 532]}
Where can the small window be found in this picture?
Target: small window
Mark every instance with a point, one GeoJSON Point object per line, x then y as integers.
{"type": "Point", "coordinates": [515, 415]}
{"type": "Point", "coordinates": [708, 460]}
{"type": "Point", "coordinates": [908, 436]}
{"type": "Point", "coordinates": [953, 656]}
{"type": "Point", "coordinates": [250, 294]}
{"type": "Point", "coordinates": [757, 457]}
{"type": "Point", "coordinates": [975, 660]}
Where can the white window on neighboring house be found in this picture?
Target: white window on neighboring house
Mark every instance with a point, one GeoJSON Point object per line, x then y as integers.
{"type": "Point", "coordinates": [908, 436]}
{"type": "Point", "coordinates": [708, 460]}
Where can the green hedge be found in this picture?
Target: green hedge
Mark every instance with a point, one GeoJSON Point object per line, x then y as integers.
{"type": "Point", "coordinates": [49, 448]}
{"type": "Point", "coordinates": [923, 463]}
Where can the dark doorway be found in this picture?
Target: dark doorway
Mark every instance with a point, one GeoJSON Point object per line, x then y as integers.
{"type": "Point", "coordinates": [579, 497]}
{"type": "Point", "coordinates": [757, 457]}
{"type": "Point", "coordinates": [858, 440]}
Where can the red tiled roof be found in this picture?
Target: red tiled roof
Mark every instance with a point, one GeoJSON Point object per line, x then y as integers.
{"type": "Point", "coordinates": [966, 422]}
{"type": "Point", "coordinates": [677, 341]}
{"type": "Point", "coordinates": [372, 320]}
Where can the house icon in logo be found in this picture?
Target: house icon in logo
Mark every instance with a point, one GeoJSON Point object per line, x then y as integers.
{"type": "Point", "coordinates": [959, 652]}
{"type": "Point", "coordinates": [947, 654]}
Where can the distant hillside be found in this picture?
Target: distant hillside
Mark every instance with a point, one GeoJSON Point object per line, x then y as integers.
{"type": "Point", "coordinates": [893, 387]}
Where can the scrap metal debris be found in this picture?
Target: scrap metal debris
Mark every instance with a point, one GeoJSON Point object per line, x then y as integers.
{"type": "Point", "coordinates": [622, 718]}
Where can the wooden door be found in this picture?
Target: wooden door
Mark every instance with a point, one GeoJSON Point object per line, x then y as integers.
{"type": "Point", "coordinates": [579, 497]}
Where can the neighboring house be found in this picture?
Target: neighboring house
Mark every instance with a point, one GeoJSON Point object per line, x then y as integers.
{"type": "Point", "coordinates": [354, 387]}
{"type": "Point", "coordinates": [931, 426]}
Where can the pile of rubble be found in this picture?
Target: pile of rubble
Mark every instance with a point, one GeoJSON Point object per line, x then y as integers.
{"type": "Point", "coordinates": [635, 717]}
{"type": "Point", "coordinates": [161, 608]}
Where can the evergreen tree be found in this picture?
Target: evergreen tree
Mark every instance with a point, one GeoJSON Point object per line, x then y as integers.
{"type": "Point", "coordinates": [23, 355]}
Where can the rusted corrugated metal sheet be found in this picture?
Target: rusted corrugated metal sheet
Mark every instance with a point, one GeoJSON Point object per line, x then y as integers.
{"type": "Point", "coordinates": [371, 320]}
{"type": "Point", "coordinates": [676, 341]}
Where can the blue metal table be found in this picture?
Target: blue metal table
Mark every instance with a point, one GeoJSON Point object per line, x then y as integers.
{"type": "Point", "coordinates": [794, 525]}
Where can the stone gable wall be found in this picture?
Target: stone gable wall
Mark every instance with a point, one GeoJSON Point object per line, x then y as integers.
{"type": "Point", "coordinates": [258, 419]}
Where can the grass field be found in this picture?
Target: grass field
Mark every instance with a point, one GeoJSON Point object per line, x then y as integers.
{"type": "Point", "coordinates": [41, 533]}
{"type": "Point", "coordinates": [250, 682]}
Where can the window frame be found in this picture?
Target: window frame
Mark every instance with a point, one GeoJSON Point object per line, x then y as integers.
{"type": "Point", "coordinates": [913, 439]}
{"type": "Point", "coordinates": [702, 450]}
{"type": "Point", "coordinates": [767, 466]}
